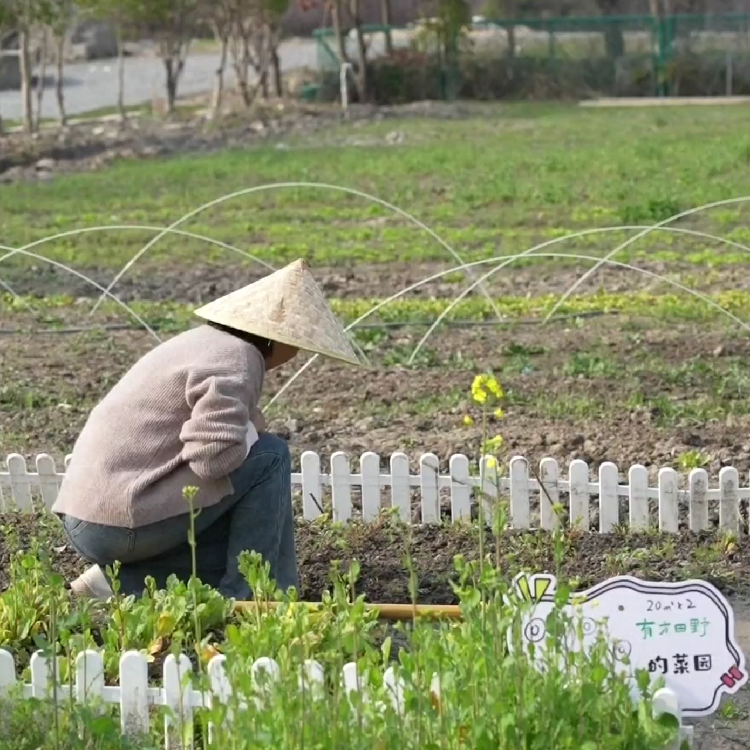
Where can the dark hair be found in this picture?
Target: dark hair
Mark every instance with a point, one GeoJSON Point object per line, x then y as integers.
{"type": "Point", "coordinates": [264, 346]}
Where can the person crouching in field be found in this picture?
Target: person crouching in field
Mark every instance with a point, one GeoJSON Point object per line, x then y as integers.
{"type": "Point", "coordinates": [186, 415]}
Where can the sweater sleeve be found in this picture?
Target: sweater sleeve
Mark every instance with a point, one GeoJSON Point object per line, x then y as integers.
{"type": "Point", "coordinates": [215, 437]}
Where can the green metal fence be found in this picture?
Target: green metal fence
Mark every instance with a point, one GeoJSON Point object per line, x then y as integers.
{"type": "Point", "coordinates": [695, 55]}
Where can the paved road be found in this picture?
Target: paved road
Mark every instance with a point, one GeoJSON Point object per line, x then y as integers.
{"type": "Point", "coordinates": [92, 85]}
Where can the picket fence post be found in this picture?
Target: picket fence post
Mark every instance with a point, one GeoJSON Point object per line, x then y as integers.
{"type": "Point", "coordinates": [489, 489]}
{"type": "Point", "coordinates": [519, 493]}
{"type": "Point", "coordinates": [41, 677]}
{"type": "Point", "coordinates": [698, 487]}
{"type": "Point", "coordinates": [20, 485]}
{"type": "Point", "coordinates": [265, 672]}
{"type": "Point", "coordinates": [609, 502]}
{"type": "Point", "coordinates": [580, 514]}
{"type": "Point", "coordinates": [7, 672]}
{"type": "Point", "coordinates": [729, 506]}
{"type": "Point", "coordinates": [369, 466]}
{"type": "Point", "coordinates": [312, 487]}
{"type": "Point", "coordinates": [549, 493]}
{"type": "Point", "coordinates": [429, 471]}
{"type": "Point", "coordinates": [312, 679]}
{"type": "Point", "coordinates": [89, 685]}
{"type": "Point", "coordinates": [48, 485]}
{"type": "Point", "coordinates": [665, 701]}
{"type": "Point", "coordinates": [461, 488]}
{"type": "Point", "coordinates": [341, 487]}
{"type": "Point", "coordinates": [178, 720]}
{"type": "Point", "coordinates": [638, 498]}
{"type": "Point", "coordinates": [400, 486]}
{"type": "Point", "coordinates": [133, 668]}
{"type": "Point", "coordinates": [221, 690]}
{"type": "Point", "coordinates": [668, 508]}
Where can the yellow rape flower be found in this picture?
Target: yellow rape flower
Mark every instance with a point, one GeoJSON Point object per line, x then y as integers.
{"type": "Point", "coordinates": [468, 421]}
{"type": "Point", "coordinates": [491, 462]}
{"type": "Point", "coordinates": [478, 394]}
{"type": "Point", "coordinates": [486, 387]}
{"type": "Point", "coordinates": [498, 414]}
{"type": "Point", "coordinates": [493, 444]}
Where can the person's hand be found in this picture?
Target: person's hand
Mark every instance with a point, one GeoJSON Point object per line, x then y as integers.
{"type": "Point", "coordinates": [257, 418]}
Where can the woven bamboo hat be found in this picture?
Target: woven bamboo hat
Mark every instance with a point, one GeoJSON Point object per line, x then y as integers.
{"type": "Point", "coordinates": [286, 306]}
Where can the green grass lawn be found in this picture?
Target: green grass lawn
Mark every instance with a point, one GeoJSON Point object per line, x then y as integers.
{"type": "Point", "coordinates": [489, 185]}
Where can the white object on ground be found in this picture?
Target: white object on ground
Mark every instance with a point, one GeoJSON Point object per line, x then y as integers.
{"type": "Point", "coordinates": [92, 583]}
{"type": "Point", "coordinates": [343, 84]}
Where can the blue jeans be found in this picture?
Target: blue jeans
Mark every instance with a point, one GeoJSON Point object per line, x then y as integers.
{"type": "Point", "coordinates": [256, 517]}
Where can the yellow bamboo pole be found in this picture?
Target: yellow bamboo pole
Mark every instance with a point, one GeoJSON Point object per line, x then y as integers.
{"type": "Point", "coordinates": [385, 611]}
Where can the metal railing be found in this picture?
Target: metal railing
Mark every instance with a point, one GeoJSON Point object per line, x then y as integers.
{"type": "Point", "coordinates": [579, 57]}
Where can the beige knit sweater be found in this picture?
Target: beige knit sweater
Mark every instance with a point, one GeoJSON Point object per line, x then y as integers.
{"type": "Point", "coordinates": [178, 417]}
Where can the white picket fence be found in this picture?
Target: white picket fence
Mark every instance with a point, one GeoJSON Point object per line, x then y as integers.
{"type": "Point", "coordinates": [430, 496]}
{"type": "Point", "coordinates": [135, 696]}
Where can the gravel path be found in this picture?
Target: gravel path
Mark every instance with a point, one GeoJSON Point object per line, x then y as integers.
{"type": "Point", "coordinates": [92, 85]}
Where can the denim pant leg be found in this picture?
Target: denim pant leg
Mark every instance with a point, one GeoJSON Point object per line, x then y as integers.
{"type": "Point", "coordinates": [262, 517]}
{"type": "Point", "coordinates": [210, 559]}
{"type": "Point", "coordinates": [256, 517]}
{"type": "Point", "coordinates": [157, 550]}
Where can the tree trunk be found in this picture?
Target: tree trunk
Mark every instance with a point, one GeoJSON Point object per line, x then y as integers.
{"type": "Point", "coordinates": [174, 54]}
{"type": "Point", "coordinates": [241, 62]}
{"type": "Point", "coordinates": [262, 70]}
{"type": "Point", "coordinates": [121, 77]}
{"type": "Point", "coordinates": [59, 84]}
{"type": "Point", "coordinates": [277, 77]}
{"type": "Point", "coordinates": [219, 77]}
{"type": "Point", "coordinates": [25, 63]}
{"type": "Point", "coordinates": [338, 31]}
{"type": "Point", "coordinates": [362, 77]}
{"type": "Point", "coordinates": [511, 14]}
{"type": "Point", "coordinates": [385, 19]}
{"type": "Point", "coordinates": [614, 39]}
{"type": "Point", "coordinates": [40, 86]}
{"type": "Point", "coordinates": [657, 8]}
{"type": "Point", "coordinates": [171, 69]}
{"type": "Point", "coordinates": [263, 55]}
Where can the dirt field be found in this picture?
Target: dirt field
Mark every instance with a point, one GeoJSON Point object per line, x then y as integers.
{"type": "Point", "coordinates": [680, 396]}
{"type": "Point", "coordinates": [630, 371]}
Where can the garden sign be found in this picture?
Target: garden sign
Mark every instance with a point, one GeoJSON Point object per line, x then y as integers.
{"type": "Point", "coordinates": [683, 632]}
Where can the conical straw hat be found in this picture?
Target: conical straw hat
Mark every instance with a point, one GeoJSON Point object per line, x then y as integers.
{"type": "Point", "coordinates": [287, 306]}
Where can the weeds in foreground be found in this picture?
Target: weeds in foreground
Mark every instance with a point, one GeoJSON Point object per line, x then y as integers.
{"type": "Point", "coordinates": [452, 685]}
{"type": "Point", "coordinates": [466, 684]}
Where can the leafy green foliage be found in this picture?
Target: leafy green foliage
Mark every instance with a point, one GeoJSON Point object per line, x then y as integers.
{"type": "Point", "coordinates": [490, 693]}
{"type": "Point", "coordinates": [560, 170]}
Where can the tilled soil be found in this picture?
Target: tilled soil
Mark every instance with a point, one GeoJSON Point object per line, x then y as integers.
{"type": "Point", "coordinates": [382, 548]}
{"type": "Point", "coordinates": [681, 388]}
